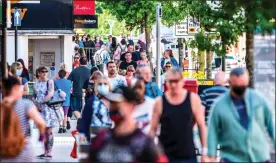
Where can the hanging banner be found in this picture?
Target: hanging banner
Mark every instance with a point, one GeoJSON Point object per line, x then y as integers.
{"type": "Point", "coordinates": [84, 7]}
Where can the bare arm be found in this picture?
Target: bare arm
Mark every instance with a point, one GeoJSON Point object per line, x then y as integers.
{"type": "Point", "coordinates": [198, 112]}
{"type": "Point", "coordinates": [26, 89]}
{"type": "Point", "coordinates": [50, 91]}
{"type": "Point", "coordinates": [157, 111]}
{"type": "Point", "coordinates": [38, 120]}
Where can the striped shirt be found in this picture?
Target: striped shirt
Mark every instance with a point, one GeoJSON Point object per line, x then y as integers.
{"type": "Point", "coordinates": [22, 107]}
{"type": "Point", "coordinates": [209, 96]}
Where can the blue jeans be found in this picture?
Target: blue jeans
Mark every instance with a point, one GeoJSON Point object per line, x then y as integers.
{"type": "Point", "coordinates": [188, 160]}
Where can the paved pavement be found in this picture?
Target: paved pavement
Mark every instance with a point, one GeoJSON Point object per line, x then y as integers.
{"type": "Point", "coordinates": [63, 144]}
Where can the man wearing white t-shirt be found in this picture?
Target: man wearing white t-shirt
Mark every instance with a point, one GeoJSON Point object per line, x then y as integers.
{"type": "Point", "coordinates": [144, 108]}
{"type": "Point", "coordinates": [116, 80]}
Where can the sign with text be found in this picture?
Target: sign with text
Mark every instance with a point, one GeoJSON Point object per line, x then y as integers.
{"type": "Point", "coordinates": [264, 66]}
{"type": "Point", "coordinates": [47, 58]}
{"type": "Point", "coordinates": [44, 14]}
{"type": "Point", "coordinates": [85, 21]}
{"type": "Point", "coordinates": [188, 27]}
{"type": "Point", "coordinates": [193, 25]}
{"type": "Point", "coordinates": [84, 7]}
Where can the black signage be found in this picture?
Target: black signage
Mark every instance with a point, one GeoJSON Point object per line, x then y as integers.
{"type": "Point", "coordinates": [85, 21]}
{"type": "Point", "coordinates": [44, 14]}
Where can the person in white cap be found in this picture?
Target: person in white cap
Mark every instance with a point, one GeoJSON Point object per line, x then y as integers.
{"type": "Point", "coordinates": [209, 95]}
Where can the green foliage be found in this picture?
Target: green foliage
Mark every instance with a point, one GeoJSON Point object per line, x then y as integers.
{"type": "Point", "coordinates": [103, 26]}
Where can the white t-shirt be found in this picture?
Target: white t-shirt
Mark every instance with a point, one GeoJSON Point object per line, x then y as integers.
{"type": "Point", "coordinates": [143, 114]}
{"type": "Point", "coordinates": [118, 81]}
{"type": "Point", "coordinates": [163, 79]}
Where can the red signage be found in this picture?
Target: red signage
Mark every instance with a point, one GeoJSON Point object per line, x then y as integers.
{"type": "Point", "coordinates": [84, 7]}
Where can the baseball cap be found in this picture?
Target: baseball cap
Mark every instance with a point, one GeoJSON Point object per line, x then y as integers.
{"type": "Point", "coordinates": [120, 94]}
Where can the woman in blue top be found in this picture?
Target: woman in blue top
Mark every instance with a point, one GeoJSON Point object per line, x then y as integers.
{"type": "Point", "coordinates": [95, 114]}
{"type": "Point", "coordinates": [168, 57]}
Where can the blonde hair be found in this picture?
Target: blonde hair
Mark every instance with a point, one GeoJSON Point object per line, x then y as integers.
{"type": "Point", "coordinates": [63, 66]}
{"type": "Point", "coordinates": [96, 75]}
{"type": "Point", "coordinates": [14, 67]}
{"type": "Point", "coordinates": [97, 82]}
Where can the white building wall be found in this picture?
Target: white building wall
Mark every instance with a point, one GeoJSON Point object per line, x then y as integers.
{"type": "Point", "coordinates": [47, 45]}
{"type": "Point", "coordinates": [67, 57]}
{"type": "Point", "coordinates": [22, 48]}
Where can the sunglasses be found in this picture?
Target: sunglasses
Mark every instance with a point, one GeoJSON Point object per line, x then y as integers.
{"type": "Point", "coordinates": [168, 66]}
{"type": "Point", "coordinates": [76, 58]}
{"type": "Point", "coordinates": [130, 70]}
{"type": "Point", "coordinates": [102, 84]}
{"type": "Point", "coordinates": [44, 71]}
{"type": "Point", "coordinates": [173, 81]}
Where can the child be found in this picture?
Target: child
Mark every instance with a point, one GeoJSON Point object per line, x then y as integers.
{"type": "Point", "coordinates": [66, 86]}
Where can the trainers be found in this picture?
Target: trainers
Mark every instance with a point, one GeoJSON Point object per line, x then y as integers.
{"type": "Point", "coordinates": [60, 130]}
{"type": "Point", "coordinates": [64, 130]}
{"type": "Point", "coordinates": [42, 156]}
{"type": "Point", "coordinates": [68, 125]}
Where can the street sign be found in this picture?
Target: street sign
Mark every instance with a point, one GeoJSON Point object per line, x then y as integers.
{"type": "Point", "coordinates": [17, 18]}
{"type": "Point", "coordinates": [193, 25]}
{"type": "Point", "coordinates": [188, 27]}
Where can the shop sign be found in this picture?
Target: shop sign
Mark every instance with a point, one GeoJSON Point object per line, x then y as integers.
{"type": "Point", "coordinates": [47, 58]}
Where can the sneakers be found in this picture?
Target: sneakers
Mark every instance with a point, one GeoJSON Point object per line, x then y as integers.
{"type": "Point", "coordinates": [60, 130]}
{"type": "Point", "coordinates": [64, 130]}
{"type": "Point", "coordinates": [44, 156]}
{"type": "Point", "coordinates": [68, 125]}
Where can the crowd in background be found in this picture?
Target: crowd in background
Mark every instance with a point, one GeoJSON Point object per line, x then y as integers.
{"type": "Point", "coordinates": [117, 94]}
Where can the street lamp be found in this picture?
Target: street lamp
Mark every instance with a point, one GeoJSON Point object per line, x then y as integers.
{"type": "Point", "coordinates": [111, 23]}
{"type": "Point", "coordinates": [158, 22]}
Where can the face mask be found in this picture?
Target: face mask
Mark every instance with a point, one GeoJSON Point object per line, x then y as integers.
{"type": "Point", "coordinates": [18, 72]}
{"type": "Point", "coordinates": [239, 90]}
{"type": "Point", "coordinates": [103, 89]}
{"type": "Point", "coordinates": [116, 116]}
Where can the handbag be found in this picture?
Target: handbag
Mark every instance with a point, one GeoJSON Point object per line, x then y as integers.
{"type": "Point", "coordinates": [57, 100]}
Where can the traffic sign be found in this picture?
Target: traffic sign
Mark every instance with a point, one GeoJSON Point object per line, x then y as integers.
{"type": "Point", "coordinates": [17, 17]}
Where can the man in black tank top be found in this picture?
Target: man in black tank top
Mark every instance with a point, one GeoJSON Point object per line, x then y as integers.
{"type": "Point", "coordinates": [176, 111]}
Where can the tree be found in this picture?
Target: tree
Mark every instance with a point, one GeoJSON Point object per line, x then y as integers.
{"type": "Point", "coordinates": [258, 15]}
{"type": "Point", "coordinates": [142, 14]}
{"type": "Point", "coordinates": [103, 28]}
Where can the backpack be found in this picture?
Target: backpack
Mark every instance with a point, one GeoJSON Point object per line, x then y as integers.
{"type": "Point", "coordinates": [12, 137]}
{"type": "Point", "coordinates": [123, 50]}
{"type": "Point", "coordinates": [98, 58]}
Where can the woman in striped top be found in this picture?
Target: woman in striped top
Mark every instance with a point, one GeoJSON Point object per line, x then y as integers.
{"type": "Point", "coordinates": [25, 110]}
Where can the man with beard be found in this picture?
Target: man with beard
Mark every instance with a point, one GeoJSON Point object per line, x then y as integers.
{"type": "Point", "coordinates": [142, 112]}
{"type": "Point", "coordinates": [116, 80]}
{"type": "Point", "coordinates": [125, 142]}
{"type": "Point", "coordinates": [239, 122]}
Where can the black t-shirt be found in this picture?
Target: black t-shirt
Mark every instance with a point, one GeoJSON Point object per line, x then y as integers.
{"type": "Point", "coordinates": [124, 65]}
{"type": "Point", "coordinates": [135, 147]}
{"type": "Point", "coordinates": [134, 57]}
{"type": "Point", "coordinates": [78, 76]}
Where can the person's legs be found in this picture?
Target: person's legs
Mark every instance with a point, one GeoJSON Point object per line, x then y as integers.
{"type": "Point", "coordinates": [77, 106]}
{"type": "Point", "coordinates": [49, 142]}
{"type": "Point", "coordinates": [64, 123]}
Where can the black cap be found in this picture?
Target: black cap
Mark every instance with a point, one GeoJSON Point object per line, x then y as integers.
{"type": "Point", "coordinates": [120, 94]}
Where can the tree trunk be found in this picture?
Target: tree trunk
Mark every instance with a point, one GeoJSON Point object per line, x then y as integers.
{"type": "Point", "coordinates": [201, 55]}
{"type": "Point", "coordinates": [209, 56]}
{"type": "Point", "coordinates": [180, 51]}
{"type": "Point", "coordinates": [249, 56]}
{"type": "Point", "coordinates": [147, 34]}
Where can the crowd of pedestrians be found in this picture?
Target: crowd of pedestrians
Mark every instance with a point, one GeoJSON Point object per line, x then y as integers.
{"type": "Point", "coordinates": [131, 118]}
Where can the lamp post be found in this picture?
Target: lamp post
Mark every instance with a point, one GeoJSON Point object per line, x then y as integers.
{"type": "Point", "coordinates": [158, 20]}
{"type": "Point", "coordinates": [111, 23]}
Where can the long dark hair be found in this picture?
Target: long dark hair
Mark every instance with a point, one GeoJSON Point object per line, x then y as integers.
{"type": "Point", "coordinates": [23, 64]}
{"type": "Point", "coordinates": [114, 42]}
{"type": "Point", "coordinates": [123, 41]}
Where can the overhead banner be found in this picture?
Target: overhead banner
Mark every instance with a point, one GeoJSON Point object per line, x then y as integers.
{"type": "Point", "coordinates": [85, 21]}
{"type": "Point", "coordinates": [264, 66]}
{"type": "Point", "coordinates": [84, 7]}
